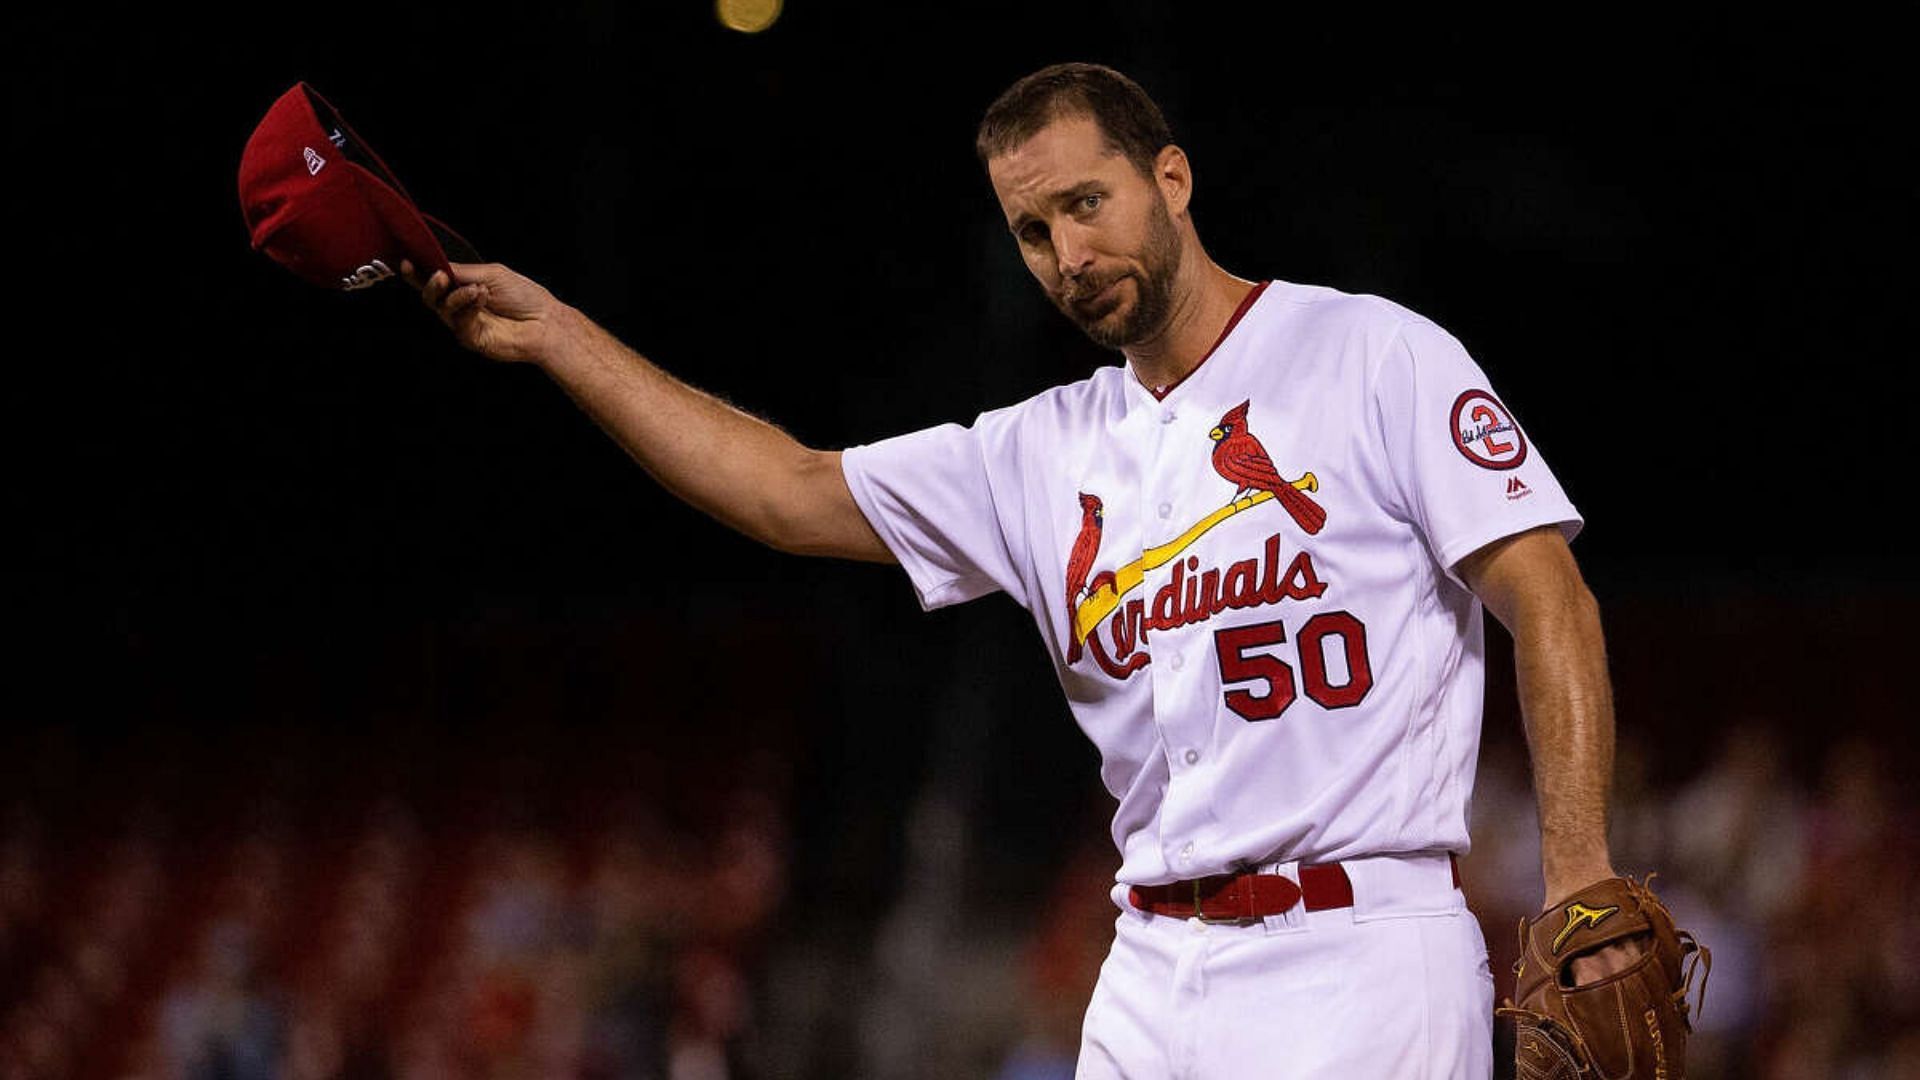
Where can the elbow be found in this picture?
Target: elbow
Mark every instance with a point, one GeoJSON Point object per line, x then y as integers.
{"type": "Point", "coordinates": [1585, 606]}
{"type": "Point", "coordinates": [1554, 610]}
{"type": "Point", "coordinates": [797, 515]}
{"type": "Point", "coordinates": [1581, 602]}
{"type": "Point", "coordinates": [782, 523]}
{"type": "Point", "coordinates": [793, 535]}
{"type": "Point", "coordinates": [1569, 620]}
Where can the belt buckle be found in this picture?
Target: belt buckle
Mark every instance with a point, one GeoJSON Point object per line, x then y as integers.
{"type": "Point", "coordinates": [1219, 920]}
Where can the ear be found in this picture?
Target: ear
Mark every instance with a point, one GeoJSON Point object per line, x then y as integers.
{"type": "Point", "coordinates": [1175, 177]}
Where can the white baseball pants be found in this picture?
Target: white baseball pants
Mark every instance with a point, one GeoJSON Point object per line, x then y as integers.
{"type": "Point", "coordinates": [1395, 987]}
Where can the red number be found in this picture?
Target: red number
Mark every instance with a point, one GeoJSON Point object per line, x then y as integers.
{"type": "Point", "coordinates": [1236, 666]}
{"type": "Point", "coordinates": [1485, 418]}
{"type": "Point", "coordinates": [1313, 659]}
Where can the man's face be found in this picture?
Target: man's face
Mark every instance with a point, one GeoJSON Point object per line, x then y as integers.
{"type": "Point", "coordinates": [1094, 232]}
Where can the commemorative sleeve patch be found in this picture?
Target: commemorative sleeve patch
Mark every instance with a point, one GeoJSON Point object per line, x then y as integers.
{"type": "Point", "coordinates": [1484, 431]}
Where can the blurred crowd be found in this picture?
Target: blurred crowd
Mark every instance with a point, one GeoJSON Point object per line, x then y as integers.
{"type": "Point", "coordinates": [370, 941]}
{"type": "Point", "coordinates": [384, 950]}
{"type": "Point", "coordinates": [1800, 890]}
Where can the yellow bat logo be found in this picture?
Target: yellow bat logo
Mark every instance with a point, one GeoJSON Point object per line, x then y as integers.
{"type": "Point", "coordinates": [1100, 603]}
{"type": "Point", "coordinates": [1575, 914]}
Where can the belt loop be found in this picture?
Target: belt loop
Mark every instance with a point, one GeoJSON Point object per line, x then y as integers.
{"type": "Point", "coordinates": [1293, 919]}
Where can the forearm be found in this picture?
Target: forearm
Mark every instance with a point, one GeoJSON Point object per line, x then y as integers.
{"type": "Point", "coordinates": [743, 471]}
{"type": "Point", "coordinates": [740, 469]}
{"type": "Point", "coordinates": [1566, 705]}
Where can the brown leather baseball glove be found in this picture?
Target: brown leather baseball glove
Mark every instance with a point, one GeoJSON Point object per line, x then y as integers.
{"type": "Point", "coordinates": [1631, 1024]}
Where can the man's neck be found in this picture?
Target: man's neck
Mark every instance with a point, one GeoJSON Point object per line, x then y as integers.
{"type": "Point", "coordinates": [1200, 312]}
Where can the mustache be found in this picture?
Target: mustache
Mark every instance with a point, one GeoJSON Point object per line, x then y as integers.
{"type": "Point", "coordinates": [1085, 288]}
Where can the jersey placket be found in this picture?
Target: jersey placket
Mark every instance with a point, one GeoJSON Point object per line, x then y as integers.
{"type": "Point", "coordinates": [1182, 705]}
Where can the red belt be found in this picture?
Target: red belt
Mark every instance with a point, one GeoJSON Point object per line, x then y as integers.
{"type": "Point", "coordinates": [1248, 897]}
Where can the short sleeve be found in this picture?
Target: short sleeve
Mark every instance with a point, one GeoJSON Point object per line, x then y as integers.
{"type": "Point", "coordinates": [931, 497]}
{"type": "Point", "coordinates": [1465, 472]}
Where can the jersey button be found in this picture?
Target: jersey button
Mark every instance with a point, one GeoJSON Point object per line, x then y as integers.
{"type": "Point", "coordinates": [1186, 852]}
{"type": "Point", "coordinates": [1167, 417]}
{"type": "Point", "coordinates": [1193, 756]}
{"type": "Point", "coordinates": [1177, 662]}
{"type": "Point", "coordinates": [1166, 509]}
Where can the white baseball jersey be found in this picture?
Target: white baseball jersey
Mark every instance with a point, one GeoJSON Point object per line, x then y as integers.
{"type": "Point", "coordinates": [1245, 580]}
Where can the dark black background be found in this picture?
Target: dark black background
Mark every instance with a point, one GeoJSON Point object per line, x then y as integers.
{"type": "Point", "coordinates": [249, 510]}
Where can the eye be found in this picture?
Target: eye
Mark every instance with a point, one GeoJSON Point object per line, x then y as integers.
{"type": "Point", "coordinates": [1090, 203]}
{"type": "Point", "coordinates": [1033, 233]}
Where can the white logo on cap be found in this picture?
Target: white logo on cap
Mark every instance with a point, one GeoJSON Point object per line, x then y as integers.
{"type": "Point", "coordinates": [371, 274]}
{"type": "Point", "coordinates": [314, 162]}
{"type": "Point", "coordinates": [338, 139]}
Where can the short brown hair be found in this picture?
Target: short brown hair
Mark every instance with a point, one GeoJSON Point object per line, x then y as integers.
{"type": "Point", "coordinates": [1128, 118]}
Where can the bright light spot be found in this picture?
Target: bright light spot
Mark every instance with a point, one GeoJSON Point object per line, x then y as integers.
{"type": "Point", "coordinates": [747, 16]}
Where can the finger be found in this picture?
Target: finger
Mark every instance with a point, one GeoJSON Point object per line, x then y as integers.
{"type": "Point", "coordinates": [472, 273]}
{"type": "Point", "coordinates": [462, 298]}
{"type": "Point", "coordinates": [465, 324]}
{"type": "Point", "coordinates": [455, 303]}
{"type": "Point", "coordinates": [1610, 959]}
{"type": "Point", "coordinates": [1594, 966]}
{"type": "Point", "coordinates": [407, 275]}
{"type": "Point", "coordinates": [436, 289]}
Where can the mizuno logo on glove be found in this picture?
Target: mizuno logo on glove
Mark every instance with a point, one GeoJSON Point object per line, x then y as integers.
{"type": "Point", "coordinates": [1576, 913]}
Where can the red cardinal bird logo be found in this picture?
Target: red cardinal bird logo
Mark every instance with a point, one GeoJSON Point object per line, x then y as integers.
{"type": "Point", "coordinates": [1239, 457]}
{"type": "Point", "coordinates": [1080, 563]}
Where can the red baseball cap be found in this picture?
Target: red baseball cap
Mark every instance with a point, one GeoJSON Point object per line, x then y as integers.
{"type": "Point", "coordinates": [321, 203]}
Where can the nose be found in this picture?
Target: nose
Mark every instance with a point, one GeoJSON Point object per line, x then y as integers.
{"type": "Point", "coordinates": [1071, 251]}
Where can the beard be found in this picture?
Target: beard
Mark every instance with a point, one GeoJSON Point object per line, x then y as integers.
{"type": "Point", "coordinates": [1153, 282]}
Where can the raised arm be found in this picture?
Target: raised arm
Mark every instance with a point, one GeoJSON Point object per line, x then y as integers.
{"type": "Point", "coordinates": [741, 470]}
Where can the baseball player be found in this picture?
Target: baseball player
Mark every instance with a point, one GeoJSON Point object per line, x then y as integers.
{"type": "Point", "coordinates": [1257, 551]}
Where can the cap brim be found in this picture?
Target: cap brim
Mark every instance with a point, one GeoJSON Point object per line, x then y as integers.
{"type": "Point", "coordinates": [455, 245]}
{"type": "Point", "coordinates": [429, 241]}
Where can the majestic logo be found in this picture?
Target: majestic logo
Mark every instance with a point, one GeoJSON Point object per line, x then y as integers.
{"type": "Point", "coordinates": [1484, 432]}
{"type": "Point", "coordinates": [314, 161]}
{"type": "Point", "coordinates": [1192, 594]}
{"type": "Point", "coordinates": [371, 274]}
{"type": "Point", "coordinates": [1517, 488]}
{"type": "Point", "coordinates": [1576, 914]}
